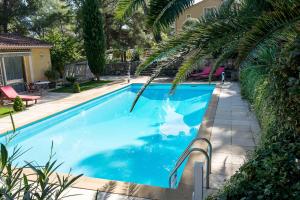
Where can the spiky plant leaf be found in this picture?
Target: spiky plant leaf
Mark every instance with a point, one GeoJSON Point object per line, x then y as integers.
{"type": "Point", "coordinates": [162, 13]}
{"type": "Point", "coordinates": [187, 67]}
{"type": "Point", "coordinates": [266, 26]}
{"type": "Point", "coordinates": [126, 8]}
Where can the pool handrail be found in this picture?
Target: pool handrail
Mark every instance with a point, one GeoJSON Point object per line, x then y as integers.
{"type": "Point", "coordinates": [191, 144]}
{"type": "Point", "coordinates": [174, 171]}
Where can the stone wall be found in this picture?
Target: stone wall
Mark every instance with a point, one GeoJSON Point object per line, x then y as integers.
{"type": "Point", "coordinates": [119, 69]}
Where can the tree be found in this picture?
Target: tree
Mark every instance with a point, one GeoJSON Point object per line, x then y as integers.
{"type": "Point", "coordinates": [160, 13]}
{"type": "Point", "coordinates": [125, 33]}
{"type": "Point", "coordinates": [52, 14]}
{"type": "Point", "coordinates": [66, 49]}
{"type": "Point", "coordinates": [93, 35]}
{"type": "Point", "coordinates": [236, 30]}
{"type": "Point", "coordinates": [14, 14]}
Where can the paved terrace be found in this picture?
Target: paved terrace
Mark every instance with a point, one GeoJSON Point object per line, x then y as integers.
{"type": "Point", "coordinates": [234, 133]}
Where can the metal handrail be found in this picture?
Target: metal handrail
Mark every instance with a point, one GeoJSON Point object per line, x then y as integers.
{"type": "Point", "coordinates": [191, 144]}
{"type": "Point", "coordinates": [182, 160]}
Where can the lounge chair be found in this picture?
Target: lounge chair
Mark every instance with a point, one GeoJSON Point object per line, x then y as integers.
{"type": "Point", "coordinates": [217, 74]}
{"type": "Point", "coordinates": [205, 71]}
{"type": "Point", "coordinates": [10, 94]}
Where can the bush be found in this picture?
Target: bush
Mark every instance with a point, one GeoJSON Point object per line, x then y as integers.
{"type": "Point", "coordinates": [66, 49]}
{"type": "Point", "coordinates": [273, 170]}
{"type": "Point", "coordinates": [71, 79]}
{"type": "Point", "coordinates": [18, 104]}
{"type": "Point", "coordinates": [52, 75]}
{"type": "Point", "coordinates": [135, 55]}
{"type": "Point", "coordinates": [76, 88]}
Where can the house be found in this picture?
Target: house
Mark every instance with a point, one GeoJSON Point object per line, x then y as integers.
{"type": "Point", "coordinates": [195, 11]}
{"type": "Point", "coordinates": [22, 59]}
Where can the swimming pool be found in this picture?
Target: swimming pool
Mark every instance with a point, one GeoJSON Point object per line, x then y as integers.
{"type": "Point", "coordinates": [102, 139]}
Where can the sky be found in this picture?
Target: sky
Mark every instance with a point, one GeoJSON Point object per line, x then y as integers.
{"type": "Point", "coordinates": [197, 1]}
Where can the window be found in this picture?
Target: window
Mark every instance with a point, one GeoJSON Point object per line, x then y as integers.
{"type": "Point", "coordinates": [13, 71]}
{"type": "Point", "coordinates": [13, 68]}
{"type": "Point", "coordinates": [210, 10]}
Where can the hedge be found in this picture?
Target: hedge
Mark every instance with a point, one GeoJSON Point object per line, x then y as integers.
{"type": "Point", "coordinates": [273, 171]}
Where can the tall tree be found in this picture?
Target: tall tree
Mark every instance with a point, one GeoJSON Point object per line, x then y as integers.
{"type": "Point", "coordinates": [52, 14]}
{"type": "Point", "coordinates": [93, 35]}
{"type": "Point", "coordinates": [14, 14]}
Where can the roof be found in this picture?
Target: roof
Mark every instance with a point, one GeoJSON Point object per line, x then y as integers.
{"type": "Point", "coordinates": [15, 41]}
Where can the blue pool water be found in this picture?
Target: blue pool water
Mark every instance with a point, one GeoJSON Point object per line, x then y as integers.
{"type": "Point", "coordinates": [102, 139]}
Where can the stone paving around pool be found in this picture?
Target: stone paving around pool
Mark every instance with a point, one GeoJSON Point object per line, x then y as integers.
{"type": "Point", "coordinates": [235, 131]}
{"type": "Point", "coordinates": [235, 134]}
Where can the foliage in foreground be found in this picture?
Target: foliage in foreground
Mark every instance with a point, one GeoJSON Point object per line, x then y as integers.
{"type": "Point", "coordinates": [41, 184]}
{"type": "Point", "coordinates": [93, 35]}
{"type": "Point", "coordinates": [273, 171]}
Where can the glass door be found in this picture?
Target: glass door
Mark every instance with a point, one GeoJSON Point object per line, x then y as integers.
{"type": "Point", "coordinates": [14, 72]}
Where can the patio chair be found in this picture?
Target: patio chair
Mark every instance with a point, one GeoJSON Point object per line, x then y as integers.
{"type": "Point", "coordinates": [10, 94]}
{"type": "Point", "coordinates": [205, 71]}
{"type": "Point", "coordinates": [217, 74]}
{"type": "Point", "coordinates": [31, 88]}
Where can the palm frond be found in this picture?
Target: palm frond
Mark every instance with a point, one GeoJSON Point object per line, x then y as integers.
{"type": "Point", "coordinates": [187, 67]}
{"type": "Point", "coordinates": [174, 46]}
{"type": "Point", "coordinates": [139, 94]}
{"type": "Point", "coordinates": [202, 33]}
{"type": "Point", "coordinates": [266, 26]}
{"type": "Point", "coordinates": [163, 13]}
{"type": "Point", "coordinates": [125, 8]}
{"type": "Point", "coordinates": [153, 76]}
{"type": "Point", "coordinates": [227, 53]}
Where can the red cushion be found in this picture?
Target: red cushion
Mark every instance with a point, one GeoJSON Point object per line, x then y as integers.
{"type": "Point", "coordinates": [29, 98]}
{"type": "Point", "coordinates": [9, 92]}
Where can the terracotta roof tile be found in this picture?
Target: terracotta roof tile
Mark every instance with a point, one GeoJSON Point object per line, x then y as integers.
{"type": "Point", "coordinates": [13, 41]}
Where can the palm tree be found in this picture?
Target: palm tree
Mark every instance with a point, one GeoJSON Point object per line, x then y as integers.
{"type": "Point", "coordinates": [237, 29]}
{"type": "Point", "coordinates": [160, 13]}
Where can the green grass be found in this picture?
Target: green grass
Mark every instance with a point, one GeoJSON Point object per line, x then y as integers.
{"type": "Point", "coordinates": [83, 86]}
{"type": "Point", "coordinates": [4, 111]}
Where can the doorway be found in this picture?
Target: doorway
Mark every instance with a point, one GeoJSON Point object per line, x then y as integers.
{"type": "Point", "coordinates": [13, 72]}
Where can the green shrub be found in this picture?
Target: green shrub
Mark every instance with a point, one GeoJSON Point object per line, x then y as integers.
{"type": "Point", "coordinates": [71, 79]}
{"type": "Point", "coordinates": [76, 88]}
{"type": "Point", "coordinates": [273, 170]}
{"type": "Point", "coordinates": [18, 104]}
{"type": "Point", "coordinates": [51, 74]}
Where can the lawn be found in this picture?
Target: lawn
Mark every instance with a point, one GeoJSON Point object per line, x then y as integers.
{"type": "Point", "coordinates": [83, 86]}
{"type": "Point", "coordinates": [4, 111]}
